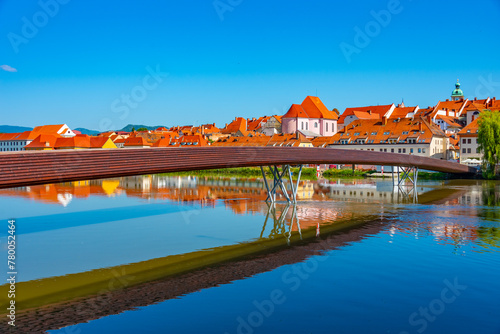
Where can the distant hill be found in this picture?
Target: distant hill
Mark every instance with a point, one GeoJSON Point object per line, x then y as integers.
{"type": "Point", "coordinates": [13, 129]}
{"type": "Point", "coordinates": [129, 127]}
{"type": "Point", "coordinates": [87, 131]}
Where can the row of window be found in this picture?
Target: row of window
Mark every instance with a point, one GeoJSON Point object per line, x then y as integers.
{"type": "Point", "coordinates": [400, 150]}
{"type": "Point", "coordinates": [469, 150]}
{"type": "Point", "coordinates": [467, 141]}
{"type": "Point", "coordinates": [11, 149]}
{"type": "Point", "coordinates": [13, 143]}
{"type": "Point", "coordinates": [315, 126]}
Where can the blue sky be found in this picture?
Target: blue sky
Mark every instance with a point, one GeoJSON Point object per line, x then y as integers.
{"type": "Point", "coordinates": [77, 61]}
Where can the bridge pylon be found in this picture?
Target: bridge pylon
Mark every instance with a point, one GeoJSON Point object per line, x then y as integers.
{"type": "Point", "coordinates": [408, 174]}
{"type": "Point", "coordinates": [278, 182]}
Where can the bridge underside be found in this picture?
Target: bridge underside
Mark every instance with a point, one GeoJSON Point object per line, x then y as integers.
{"type": "Point", "coordinates": [30, 168]}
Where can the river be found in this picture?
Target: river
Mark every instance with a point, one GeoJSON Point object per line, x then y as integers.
{"type": "Point", "coordinates": [160, 253]}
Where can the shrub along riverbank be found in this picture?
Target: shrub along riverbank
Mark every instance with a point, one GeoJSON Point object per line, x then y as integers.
{"type": "Point", "coordinates": [307, 173]}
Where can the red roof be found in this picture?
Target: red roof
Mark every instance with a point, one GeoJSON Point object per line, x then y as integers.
{"type": "Point", "coordinates": [163, 142]}
{"type": "Point", "coordinates": [136, 141]}
{"type": "Point", "coordinates": [239, 124]}
{"type": "Point", "coordinates": [311, 107]}
{"type": "Point", "coordinates": [380, 110]}
{"type": "Point", "coordinates": [42, 141]}
{"type": "Point", "coordinates": [78, 141]}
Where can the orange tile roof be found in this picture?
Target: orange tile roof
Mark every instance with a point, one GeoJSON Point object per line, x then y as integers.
{"type": "Point", "coordinates": [189, 141]}
{"type": "Point", "coordinates": [164, 142]}
{"type": "Point", "coordinates": [98, 142]}
{"type": "Point", "coordinates": [471, 129]}
{"type": "Point", "coordinates": [380, 110]}
{"type": "Point", "coordinates": [78, 141]}
{"type": "Point", "coordinates": [366, 115]}
{"type": "Point", "coordinates": [49, 129]}
{"type": "Point", "coordinates": [451, 121]}
{"type": "Point", "coordinates": [239, 124]}
{"type": "Point", "coordinates": [376, 132]}
{"type": "Point", "coordinates": [311, 107]}
{"type": "Point", "coordinates": [295, 111]}
{"type": "Point", "coordinates": [136, 141]}
{"type": "Point", "coordinates": [315, 108]}
{"type": "Point", "coordinates": [43, 140]}
{"type": "Point", "coordinates": [402, 112]}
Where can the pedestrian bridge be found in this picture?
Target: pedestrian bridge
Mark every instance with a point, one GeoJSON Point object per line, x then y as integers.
{"type": "Point", "coordinates": [40, 167]}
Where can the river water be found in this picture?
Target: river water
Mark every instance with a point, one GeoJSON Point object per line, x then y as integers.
{"type": "Point", "coordinates": [168, 254]}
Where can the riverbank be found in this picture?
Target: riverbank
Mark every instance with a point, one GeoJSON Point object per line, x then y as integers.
{"type": "Point", "coordinates": [307, 173]}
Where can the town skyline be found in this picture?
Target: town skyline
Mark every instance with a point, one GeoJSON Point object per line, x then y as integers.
{"type": "Point", "coordinates": [231, 60]}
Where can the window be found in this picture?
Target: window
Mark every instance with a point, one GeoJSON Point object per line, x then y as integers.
{"type": "Point", "coordinates": [464, 150]}
{"type": "Point", "coordinates": [374, 133]}
{"type": "Point", "coordinates": [315, 125]}
{"type": "Point", "coordinates": [307, 125]}
{"type": "Point", "coordinates": [302, 125]}
{"type": "Point", "coordinates": [387, 133]}
{"type": "Point", "coordinates": [399, 150]}
{"type": "Point", "coordinates": [477, 150]}
{"type": "Point", "coordinates": [423, 150]}
{"type": "Point", "coordinates": [327, 126]}
{"type": "Point", "coordinates": [392, 150]}
{"type": "Point", "coordinates": [356, 133]}
{"type": "Point", "coordinates": [419, 150]}
{"type": "Point", "coordinates": [469, 141]}
{"type": "Point", "coordinates": [385, 150]}
{"type": "Point", "coordinates": [405, 132]}
{"type": "Point", "coordinates": [469, 150]}
{"type": "Point", "coordinates": [464, 141]}
{"type": "Point", "coordinates": [404, 150]}
{"type": "Point", "coordinates": [381, 150]}
{"type": "Point", "coordinates": [411, 150]}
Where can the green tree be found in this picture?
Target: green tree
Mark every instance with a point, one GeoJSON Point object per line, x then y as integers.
{"type": "Point", "coordinates": [142, 129]}
{"type": "Point", "coordinates": [133, 129]}
{"type": "Point", "coordinates": [488, 138]}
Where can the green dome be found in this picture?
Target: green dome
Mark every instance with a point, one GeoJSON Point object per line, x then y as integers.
{"type": "Point", "coordinates": [457, 92]}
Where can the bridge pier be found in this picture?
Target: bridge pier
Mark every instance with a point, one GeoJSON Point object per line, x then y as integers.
{"type": "Point", "coordinates": [408, 174]}
{"type": "Point", "coordinates": [277, 182]}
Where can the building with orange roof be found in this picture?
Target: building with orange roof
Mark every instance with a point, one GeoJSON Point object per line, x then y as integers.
{"type": "Point", "coordinates": [403, 112]}
{"type": "Point", "coordinates": [272, 126]}
{"type": "Point", "coordinates": [290, 140]}
{"type": "Point", "coordinates": [74, 143]}
{"type": "Point", "coordinates": [371, 112]}
{"type": "Point", "coordinates": [405, 136]}
{"type": "Point", "coordinates": [42, 143]}
{"type": "Point", "coordinates": [136, 142]}
{"type": "Point", "coordinates": [312, 118]}
{"type": "Point", "coordinates": [238, 127]}
{"type": "Point", "coordinates": [164, 142]}
{"type": "Point", "coordinates": [102, 143]}
{"type": "Point", "coordinates": [120, 143]}
{"type": "Point", "coordinates": [469, 148]}
{"type": "Point", "coordinates": [189, 141]}
{"type": "Point", "coordinates": [11, 142]}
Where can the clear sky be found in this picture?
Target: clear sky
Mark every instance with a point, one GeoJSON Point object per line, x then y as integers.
{"type": "Point", "coordinates": [89, 63]}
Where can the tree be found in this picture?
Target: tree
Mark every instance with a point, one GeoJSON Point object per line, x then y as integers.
{"type": "Point", "coordinates": [142, 129]}
{"type": "Point", "coordinates": [133, 129]}
{"type": "Point", "coordinates": [488, 138]}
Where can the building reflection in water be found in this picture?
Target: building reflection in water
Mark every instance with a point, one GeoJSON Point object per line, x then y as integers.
{"type": "Point", "coordinates": [247, 196]}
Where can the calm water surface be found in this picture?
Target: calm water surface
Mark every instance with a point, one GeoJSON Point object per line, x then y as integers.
{"type": "Point", "coordinates": [354, 256]}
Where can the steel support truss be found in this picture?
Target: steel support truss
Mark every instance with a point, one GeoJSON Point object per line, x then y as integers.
{"type": "Point", "coordinates": [277, 182]}
{"type": "Point", "coordinates": [407, 183]}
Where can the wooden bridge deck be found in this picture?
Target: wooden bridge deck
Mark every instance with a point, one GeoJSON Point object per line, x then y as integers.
{"type": "Point", "coordinates": [34, 167]}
